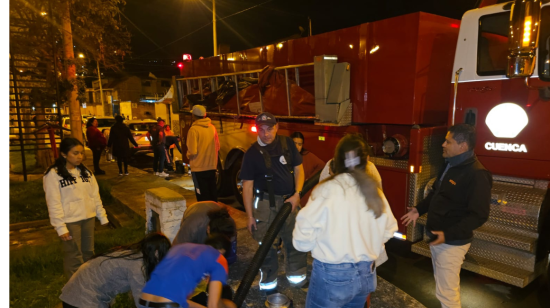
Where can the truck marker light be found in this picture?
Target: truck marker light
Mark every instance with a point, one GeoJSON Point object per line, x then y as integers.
{"type": "Point", "coordinates": [506, 120]}
{"type": "Point", "coordinates": [280, 45]}
{"type": "Point", "coordinates": [399, 236]}
{"type": "Point", "coordinates": [321, 138]}
{"type": "Point", "coordinates": [526, 31]}
{"type": "Point", "coordinates": [253, 129]}
{"type": "Point", "coordinates": [412, 169]}
{"type": "Point", "coordinates": [330, 58]}
{"type": "Point", "coordinates": [350, 46]}
{"type": "Point", "coordinates": [506, 147]}
{"type": "Point", "coordinates": [374, 49]}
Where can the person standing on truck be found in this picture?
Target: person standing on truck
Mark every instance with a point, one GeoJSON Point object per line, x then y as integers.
{"type": "Point", "coordinates": [273, 174]}
{"type": "Point", "coordinates": [202, 150]}
{"type": "Point", "coordinates": [158, 140]}
{"type": "Point", "coordinates": [457, 205]}
{"type": "Point", "coordinates": [345, 225]}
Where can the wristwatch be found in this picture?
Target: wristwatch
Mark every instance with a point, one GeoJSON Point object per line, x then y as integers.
{"type": "Point", "coordinates": [300, 194]}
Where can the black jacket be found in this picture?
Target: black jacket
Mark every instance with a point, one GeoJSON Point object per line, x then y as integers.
{"type": "Point", "coordinates": [460, 203]}
{"type": "Point", "coordinates": [118, 137]}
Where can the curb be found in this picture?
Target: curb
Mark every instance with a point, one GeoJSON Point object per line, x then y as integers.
{"type": "Point", "coordinates": [29, 224]}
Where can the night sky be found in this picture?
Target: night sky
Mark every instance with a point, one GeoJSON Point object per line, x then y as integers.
{"type": "Point", "coordinates": [166, 26]}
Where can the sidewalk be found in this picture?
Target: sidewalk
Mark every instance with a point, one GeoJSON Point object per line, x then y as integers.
{"type": "Point", "coordinates": [129, 191]}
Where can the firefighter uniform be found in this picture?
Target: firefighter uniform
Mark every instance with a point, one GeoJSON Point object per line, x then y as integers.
{"type": "Point", "coordinates": [283, 159]}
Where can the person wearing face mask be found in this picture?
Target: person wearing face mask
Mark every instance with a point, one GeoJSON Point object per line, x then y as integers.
{"type": "Point", "coordinates": [273, 174]}
{"type": "Point", "coordinates": [73, 200]}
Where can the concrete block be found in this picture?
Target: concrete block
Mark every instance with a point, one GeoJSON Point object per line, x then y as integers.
{"type": "Point", "coordinates": [164, 209]}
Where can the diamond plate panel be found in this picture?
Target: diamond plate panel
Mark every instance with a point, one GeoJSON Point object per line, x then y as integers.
{"type": "Point", "coordinates": [489, 268]}
{"type": "Point", "coordinates": [346, 119]}
{"type": "Point", "coordinates": [386, 162]}
{"type": "Point", "coordinates": [508, 239]}
{"type": "Point", "coordinates": [516, 206]}
{"type": "Point", "coordinates": [431, 162]}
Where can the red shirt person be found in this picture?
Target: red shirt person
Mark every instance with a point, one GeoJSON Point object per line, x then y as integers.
{"type": "Point", "coordinates": [312, 163]}
{"type": "Point", "coordinates": [96, 142]}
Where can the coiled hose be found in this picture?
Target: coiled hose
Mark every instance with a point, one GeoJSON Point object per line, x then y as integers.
{"type": "Point", "coordinates": [267, 242]}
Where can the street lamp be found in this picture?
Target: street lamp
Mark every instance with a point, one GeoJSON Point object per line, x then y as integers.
{"type": "Point", "coordinates": [214, 27]}
{"type": "Point", "coordinates": [81, 55]}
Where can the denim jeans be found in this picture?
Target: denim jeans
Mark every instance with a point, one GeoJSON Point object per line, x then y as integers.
{"type": "Point", "coordinates": [340, 285]}
{"type": "Point", "coordinates": [159, 156]}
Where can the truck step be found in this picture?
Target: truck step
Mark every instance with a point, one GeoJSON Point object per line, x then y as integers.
{"type": "Point", "coordinates": [487, 267]}
{"type": "Point", "coordinates": [501, 234]}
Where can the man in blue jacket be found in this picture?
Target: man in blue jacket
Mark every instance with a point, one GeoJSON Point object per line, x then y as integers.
{"type": "Point", "coordinates": [457, 205]}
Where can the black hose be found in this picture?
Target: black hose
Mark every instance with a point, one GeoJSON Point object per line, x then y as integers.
{"type": "Point", "coordinates": [267, 242]}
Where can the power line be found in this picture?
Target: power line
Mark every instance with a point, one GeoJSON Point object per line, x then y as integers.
{"type": "Point", "coordinates": [196, 30]}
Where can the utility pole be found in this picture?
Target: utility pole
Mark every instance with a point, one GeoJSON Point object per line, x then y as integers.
{"type": "Point", "coordinates": [214, 26]}
{"type": "Point", "coordinates": [100, 87]}
{"type": "Point", "coordinates": [74, 105]}
{"type": "Point", "coordinates": [309, 25]}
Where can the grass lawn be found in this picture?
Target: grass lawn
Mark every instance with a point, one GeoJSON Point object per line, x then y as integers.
{"type": "Point", "coordinates": [36, 272]}
{"type": "Point", "coordinates": [16, 162]}
{"type": "Point", "coordinates": [27, 201]}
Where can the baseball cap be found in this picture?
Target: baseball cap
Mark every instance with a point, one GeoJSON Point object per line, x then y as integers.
{"type": "Point", "coordinates": [265, 118]}
{"type": "Point", "coordinates": [199, 111]}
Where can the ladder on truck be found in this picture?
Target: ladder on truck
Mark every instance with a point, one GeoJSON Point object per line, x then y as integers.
{"type": "Point", "coordinates": [331, 82]}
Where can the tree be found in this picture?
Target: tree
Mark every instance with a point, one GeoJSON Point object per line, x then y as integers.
{"type": "Point", "coordinates": [38, 30]}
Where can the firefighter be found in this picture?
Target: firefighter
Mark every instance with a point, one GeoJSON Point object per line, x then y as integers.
{"type": "Point", "coordinates": [273, 174]}
{"type": "Point", "coordinates": [457, 205]}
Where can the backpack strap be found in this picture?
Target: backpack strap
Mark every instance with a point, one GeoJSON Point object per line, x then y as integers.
{"type": "Point", "coordinates": [269, 174]}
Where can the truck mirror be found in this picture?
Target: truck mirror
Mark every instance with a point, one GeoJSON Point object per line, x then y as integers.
{"type": "Point", "coordinates": [523, 37]}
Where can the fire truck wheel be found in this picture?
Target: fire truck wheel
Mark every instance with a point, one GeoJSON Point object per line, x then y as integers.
{"type": "Point", "coordinates": [236, 182]}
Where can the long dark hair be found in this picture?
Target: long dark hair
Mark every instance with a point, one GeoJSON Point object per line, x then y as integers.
{"type": "Point", "coordinates": [354, 146]}
{"type": "Point", "coordinates": [219, 241]}
{"type": "Point", "coordinates": [152, 248]}
{"type": "Point", "coordinates": [60, 164]}
{"type": "Point", "coordinates": [221, 222]}
{"type": "Point", "coordinates": [301, 136]}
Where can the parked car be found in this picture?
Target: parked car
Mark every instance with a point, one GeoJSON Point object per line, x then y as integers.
{"type": "Point", "coordinates": [139, 129]}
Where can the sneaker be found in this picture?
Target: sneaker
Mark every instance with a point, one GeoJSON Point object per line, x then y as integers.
{"type": "Point", "coordinates": [163, 174]}
{"type": "Point", "coordinates": [120, 173]}
{"type": "Point", "coordinates": [126, 173]}
{"type": "Point", "coordinates": [156, 173]}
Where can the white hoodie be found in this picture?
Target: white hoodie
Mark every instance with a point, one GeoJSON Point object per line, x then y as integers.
{"type": "Point", "coordinates": [337, 226]}
{"type": "Point", "coordinates": [71, 201]}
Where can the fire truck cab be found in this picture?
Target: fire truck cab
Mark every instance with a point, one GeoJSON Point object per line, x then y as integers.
{"type": "Point", "coordinates": [400, 82]}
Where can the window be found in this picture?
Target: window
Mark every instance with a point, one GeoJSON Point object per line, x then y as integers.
{"type": "Point", "coordinates": [544, 45]}
{"type": "Point", "coordinates": [165, 83]}
{"type": "Point", "coordinates": [105, 122]}
{"type": "Point", "coordinates": [492, 44]}
{"type": "Point", "coordinates": [141, 127]}
{"type": "Point", "coordinates": [146, 83]}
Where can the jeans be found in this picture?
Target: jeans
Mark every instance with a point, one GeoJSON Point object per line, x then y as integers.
{"type": "Point", "coordinates": [159, 158]}
{"type": "Point", "coordinates": [81, 248]}
{"type": "Point", "coordinates": [340, 285]}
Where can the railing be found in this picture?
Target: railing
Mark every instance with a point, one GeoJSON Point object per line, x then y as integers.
{"type": "Point", "coordinates": [235, 77]}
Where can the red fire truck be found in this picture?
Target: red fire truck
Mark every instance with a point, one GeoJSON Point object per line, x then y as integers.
{"type": "Point", "coordinates": [400, 82]}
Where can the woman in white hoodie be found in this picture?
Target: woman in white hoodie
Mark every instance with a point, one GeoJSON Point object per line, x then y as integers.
{"type": "Point", "coordinates": [345, 224]}
{"type": "Point", "coordinates": [72, 196]}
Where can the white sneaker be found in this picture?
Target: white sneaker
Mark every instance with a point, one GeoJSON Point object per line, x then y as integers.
{"type": "Point", "coordinates": [156, 173]}
{"type": "Point", "coordinates": [163, 174]}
